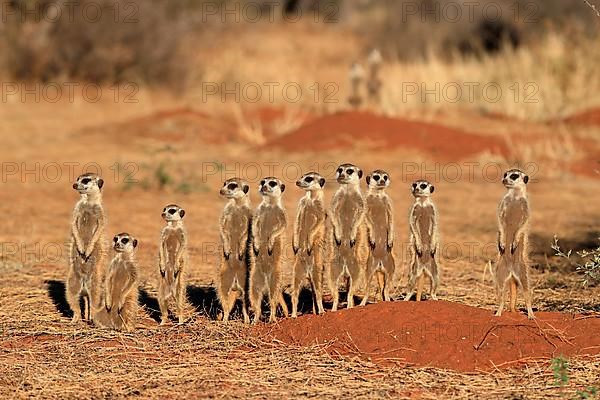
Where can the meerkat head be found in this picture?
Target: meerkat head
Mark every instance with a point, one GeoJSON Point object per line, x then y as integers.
{"type": "Point", "coordinates": [271, 187]}
{"type": "Point", "coordinates": [124, 243]}
{"type": "Point", "coordinates": [515, 178]}
{"type": "Point", "coordinates": [88, 184]}
{"type": "Point", "coordinates": [422, 188]}
{"type": "Point", "coordinates": [356, 71]}
{"type": "Point", "coordinates": [173, 213]}
{"type": "Point", "coordinates": [348, 173]}
{"type": "Point", "coordinates": [311, 181]}
{"type": "Point", "coordinates": [378, 179]}
{"type": "Point", "coordinates": [375, 57]}
{"type": "Point", "coordinates": [234, 188]}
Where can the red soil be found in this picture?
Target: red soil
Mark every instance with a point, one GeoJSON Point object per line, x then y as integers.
{"type": "Point", "coordinates": [589, 117]}
{"type": "Point", "coordinates": [441, 334]}
{"type": "Point", "coordinates": [341, 130]}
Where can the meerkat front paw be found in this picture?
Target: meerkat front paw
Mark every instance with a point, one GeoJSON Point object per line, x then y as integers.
{"type": "Point", "coordinates": [226, 254]}
{"type": "Point", "coordinates": [501, 248]}
{"type": "Point", "coordinates": [513, 248]}
{"type": "Point", "coordinates": [352, 242]}
{"type": "Point", "coordinates": [372, 243]}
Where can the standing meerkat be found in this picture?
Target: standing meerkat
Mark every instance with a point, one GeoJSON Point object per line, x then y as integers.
{"type": "Point", "coordinates": [424, 241]}
{"type": "Point", "coordinates": [374, 81]}
{"type": "Point", "coordinates": [380, 233]}
{"type": "Point", "coordinates": [172, 261]}
{"type": "Point", "coordinates": [268, 233]}
{"type": "Point", "coordinates": [119, 301]}
{"type": "Point", "coordinates": [234, 227]}
{"type": "Point", "coordinates": [86, 247]}
{"type": "Point", "coordinates": [356, 76]}
{"type": "Point", "coordinates": [308, 241]}
{"type": "Point", "coordinates": [347, 216]}
{"type": "Point", "coordinates": [513, 224]}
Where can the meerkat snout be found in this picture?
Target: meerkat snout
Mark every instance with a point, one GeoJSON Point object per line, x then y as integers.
{"type": "Point", "coordinates": [514, 177]}
{"type": "Point", "coordinates": [124, 242]}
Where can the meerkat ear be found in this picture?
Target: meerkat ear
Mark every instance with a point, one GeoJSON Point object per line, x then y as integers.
{"type": "Point", "coordinates": [282, 187]}
{"type": "Point", "coordinates": [246, 189]}
{"type": "Point", "coordinates": [368, 179]}
{"type": "Point", "coordinates": [135, 242]}
{"type": "Point", "coordinates": [360, 174]}
{"type": "Point", "coordinates": [100, 183]}
{"type": "Point", "coordinates": [526, 179]}
{"type": "Point", "coordinates": [181, 213]}
{"type": "Point", "coordinates": [432, 189]}
{"type": "Point", "coordinates": [322, 182]}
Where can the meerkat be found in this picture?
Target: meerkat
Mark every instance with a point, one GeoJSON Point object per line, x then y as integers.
{"type": "Point", "coordinates": [424, 241]}
{"type": "Point", "coordinates": [380, 233]}
{"type": "Point", "coordinates": [268, 232]}
{"type": "Point", "coordinates": [356, 76]}
{"type": "Point", "coordinates": [236, 259]}
{"type": "Point", "coordinates": [172, 260]}
{"type": "Point", "coordinates": [513, 224]}
{"type": "Point", "coordinates": [308, 241]}
{"type": "Point", "coordinates": [347, 216]}
{"type": "Point", "coordinates": [374, 81]}
{"type": "Point", "coordinates": [86, 246]}
{"type": "Point", "coordinates": [119, 301]}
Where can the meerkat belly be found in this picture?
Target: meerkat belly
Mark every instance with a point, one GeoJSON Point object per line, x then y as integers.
{"type": "Point", "coordinates": [120, 280]}
{"type": "Point", "coordinates": [378, 216]}
{"type": "Point", "coordinates": [172, 245]}
{"type": "Point", "coordinates": [239, 224]}
{"type": "Point", "coordinates": [267, 223]}
{"type": "Point", "coordinates": [347, 215]}
{"type": "Point", "coordinates": [514, 218]}
{"type": "Point", "coordinates": [87, 225]}
{"type": "Point", "coordinates": [308, 225]}
{"type": "Point", "coordinates": [425, 218]}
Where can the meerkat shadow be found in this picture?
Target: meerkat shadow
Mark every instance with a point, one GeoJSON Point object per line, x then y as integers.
{"type": "Point", "coordinates": [204, 299]}
{"type": "Point", "coordinates": [57, 293]}
{"type": "Point", "coordinates": [150, 303]}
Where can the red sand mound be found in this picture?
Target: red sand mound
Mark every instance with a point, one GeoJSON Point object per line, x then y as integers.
{"type": "Point", "coordinates": [441, 334]}
{"type": "Point", "coordinates": [341, 130]}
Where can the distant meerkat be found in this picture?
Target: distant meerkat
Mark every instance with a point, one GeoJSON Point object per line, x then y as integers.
{"type": "Point", "coordinates": [513, 224]}
{"type": "Point", "coordinates": [172, 261]}
{"type": "Point", "coordinates": [374, 81]}
{"type": "Point", "coordinates": [380, 233]}
{"type": "Point", "coordinates": [347, 216]}
{"type": "Point", "coordinates": [308, 241]}
{"type": "Point", "coordinates": [236, 259]}
{"type": "Point", "coordinates": [119, 301]}
{"type": "Point", "coordinates": [268, 233]}
{"type": "Point", "coordinates": [86, 247]}
{"type": "Point", "coordinates": [424, 241]}
{"type": "Point", "coordinates": [356, 77]}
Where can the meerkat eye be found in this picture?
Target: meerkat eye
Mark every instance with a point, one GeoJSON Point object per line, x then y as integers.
{"type": "Point", "coordinates": [262, 183]}
{"type": "Point", "coordinates": [376, 177]}
{"type": "Point", "coordinates": [172, 211]}
{"type": "Point", "coordinates": [514, 176]}
{"type": "Point", "coordinates": [232, 186]}
{"type": "Point", "coordinates": [85, 181]}
{"type": "Point", "coordinates": [309, 179]}
{"type": "Point", "coordinates": [340, 170]}
{"type": "Point", "coordinates": [273, 184]}
{"type": "Point", "coordinates": [115, 239]}
{"type": "Point", "coordinates": [423, 186]}
{"type": "Point", "coordinates": [125, 240]}
{"type": "Point", "coordinates": [505, 174]}
{"type": "Point", "coordinates": [349, 171]}
{"type": "Point", "coordinates": [414, 185]}
{"type": "Point", "coordinates": [385, 178]}
{"type": "Point", "coordinates": [165, 209]}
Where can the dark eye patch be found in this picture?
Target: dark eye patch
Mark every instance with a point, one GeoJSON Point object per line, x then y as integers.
{"type": "Point", "coordinates": [115, 239]}
{"type": "Point", "coordinates": [414, 185]}
{"type": "Point", "coordinates": [349, 171]}
{"type": "Point", "coordinates": [125, 240]}
{"type": "Point", "coordinates": [85, 181]}
{"type": "Point", "coordinates": [172, 211]}
{"type": "Point", "coordinates": [385, 178]}
{"type": "Point", "coordinates": [262, 183]}
{"type": "Point", "coordinates": [340, 170]}
{"type": "Point", "coordinates": [272, 184]}
{"type": "Point", "coordinates": [423, 186]}
{"type": "Point", "coordinates": [232, 186]}
{"type": "Point", "coordinates": [505, 174]}
{"type": "Point", "coordinates": [376, 177]}
{"type": "Point", "coordinates": [309, 179]}
{"type": "Point", "coordinates": [514, 176]}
